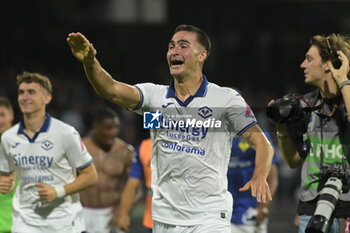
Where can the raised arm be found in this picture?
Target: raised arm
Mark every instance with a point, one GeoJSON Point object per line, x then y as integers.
{"type": "Point", "coordinates": [341, 78]}
{"type": "Point", "coordinates": [102, 82]}
{"type": "Point", "coordinates": [263, 159]}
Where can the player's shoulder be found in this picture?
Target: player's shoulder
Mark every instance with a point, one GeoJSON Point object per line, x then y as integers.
{"type": "Point", "coordinates": [152, 86]}
{"type": "Point", "coordinates": [222, 91]}
{"type": "Point", "coordinates": [60, 127]}
{"type": "Point", "coordinates": [10, 133]}
{"type": "Point", "coordinates": [121, 144]}
{"type": "Point", "coordinates": [87, 140]}
{"type": "Point", "coordinates": [227, 95]}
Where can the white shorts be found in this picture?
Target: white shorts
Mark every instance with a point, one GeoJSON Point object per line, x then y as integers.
{"type": "Point", "coordinates": [52, 225]}
{"type": "Point", "coordinates": [97, 220]}
{"type": "Point", "coordinates": [159, 227]}
{"type": "Point", "coordinates": [250, 228]}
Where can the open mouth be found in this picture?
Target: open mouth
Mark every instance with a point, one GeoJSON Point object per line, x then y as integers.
{"type": "Point", "coordinates": [176, 63]}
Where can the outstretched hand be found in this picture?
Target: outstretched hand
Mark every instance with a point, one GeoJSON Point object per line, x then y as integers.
{"type": "Point", "coordinates": [340, 75]}
{"type": "Point", "coordinates": [259, 187]}
{"type": "Point", "coordinates": [81, 48]}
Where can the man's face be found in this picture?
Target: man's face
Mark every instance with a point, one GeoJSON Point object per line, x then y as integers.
{"type": "Point", "coordinates": [314, 68]}
{"type": "Point", "coordinates": [106, 131]}
{"type": "Point", "coordinates": [32, 97]}
{"type": "Point", "coordinates": [6, 118]}
{"type": "Point", "coordinates": [184, 54]}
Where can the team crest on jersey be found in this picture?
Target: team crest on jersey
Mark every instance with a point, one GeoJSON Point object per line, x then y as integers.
{"type": "Point", "coordinates": [47, 145]}
{"type": "Point", "coordinates": [205, 112]}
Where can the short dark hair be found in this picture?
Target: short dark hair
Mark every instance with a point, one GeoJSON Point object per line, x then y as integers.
{"type": "Point", "coordinates": [103, 113]}
{"type": "Point", "coordinates": [202, 37]}
{"type": "Point", "coordinates": [42, 80]}
{"type": "Point", "coordinates": [4, 101]}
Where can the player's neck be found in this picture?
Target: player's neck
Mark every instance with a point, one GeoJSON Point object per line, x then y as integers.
{"type": "Point", "coordinates": [329, 88]}
{"type": "Point", "coordinates": [186, 87]}
{"type": "Point", "coordinates": [33, 122]}
{"type": "Point", "coordinates": [99, 144]}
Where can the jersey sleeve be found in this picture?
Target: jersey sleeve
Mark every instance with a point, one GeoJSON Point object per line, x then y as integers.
{"type": "Point", "coordinates": [239, 114]}
{"type": "Point", "coordinates": [76, 152]}
{"type": "Point", "coordinates": [6, 164]}
{"type": "Point", "coordinates": [136, 166]}
{"type": "Point", "coordinates": [147, 92]}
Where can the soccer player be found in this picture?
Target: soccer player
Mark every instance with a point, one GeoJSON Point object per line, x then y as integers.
{"type": "Point", "coordinates": [112, 157]}
{"type": "Point", "coordinates": [45, 153]}
{"type": "Point", "coordinates": [6, 118]}
{"type": "Point", "coordinates": [190, 152]}
{"type": "Point", "coordinates": [140, 170]}
{"type": "Point", "coordinates": [248, 215]}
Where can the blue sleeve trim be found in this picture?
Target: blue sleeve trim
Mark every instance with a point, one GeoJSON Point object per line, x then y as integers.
{"type": "Point", "coordinates": [141, 101]}
{"type": "Point", "coordinates": [245, 128]}
{"type": "Point", "coordinates": [6, 173]}
{"type": "Point", "coordinates": [136, 170]}
{"type": "Point", "coordinates": [275, 159]}
{"type": "Point", "coordinates": [136, 173]}
{"type": "Point", "coordinates": [85, 165]}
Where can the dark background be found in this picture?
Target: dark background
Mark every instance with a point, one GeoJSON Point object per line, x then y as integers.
{"type": "Point", "coordinates": [257, 46]}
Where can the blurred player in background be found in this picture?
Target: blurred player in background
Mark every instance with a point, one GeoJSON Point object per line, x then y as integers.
{"type": "Point", "coordinates": [140, 171]}
{"type": "Point", "coordinates": [248, 215]}
{"type": "Point", "coordinates": [112, 157]}
{"type": "Point", "coordinates": [45, 154]}
{"type": "Point", "coordinates": [6, 118]}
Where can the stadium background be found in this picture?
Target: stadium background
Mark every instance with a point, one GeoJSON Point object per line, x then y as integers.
{"type": "Point", "coordinates": [257, 46]}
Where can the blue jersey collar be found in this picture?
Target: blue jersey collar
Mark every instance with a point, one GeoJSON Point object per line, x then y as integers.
{"type": "Point", "coordinates": [201, 92]}
{"type": "Point", "coordinates": [43, 128]}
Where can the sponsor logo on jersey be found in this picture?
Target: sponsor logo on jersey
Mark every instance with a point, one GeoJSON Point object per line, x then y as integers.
{"type": "Point", "coordinates": [25, 160]}
{"type": "Point", "coordinates": [15, 145]}
{"type": "Point", "coordinates": [332, 151]}
{"type": "Point", "coordinates": [167, 104]}
{"type": "Point", "coordinates": [174, 146]}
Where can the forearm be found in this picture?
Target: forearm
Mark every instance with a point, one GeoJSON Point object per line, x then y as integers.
{"type": "Point", "coordinates": [346, 96]}
{"type": "Point", "coordinates": [100, 79]}
{"type": "Point", "coordinates": [128, 196]}
{"type": "Point", "coordinates": [264, 153]}
{"type": "Point", "coordinates": [86, 178]}
{"type": "Point", "coordinates": [288, 149]}
{"type": "Point", "coordinates": [110, 89]}
{"type": "Point", "coordinates": [272, 179]}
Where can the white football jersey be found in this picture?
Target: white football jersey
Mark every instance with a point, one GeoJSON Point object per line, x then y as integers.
{"type": "Point", "coordinates": [52, 157]}
{"type": "Point", "coordinates": [191, 151]}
